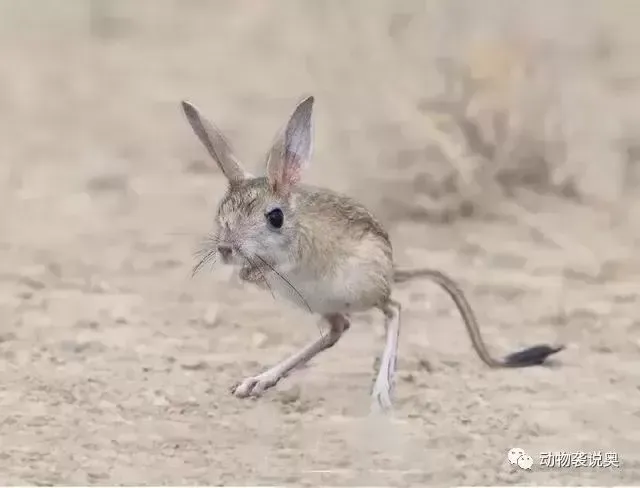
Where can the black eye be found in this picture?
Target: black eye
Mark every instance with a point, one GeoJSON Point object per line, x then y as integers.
{"type": "Point", "coordinates": [275, 218]}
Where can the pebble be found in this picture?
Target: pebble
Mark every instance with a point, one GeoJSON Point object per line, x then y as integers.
{"type": "Point", "coordinates": [210, 318]}
{"type": "Point", "coordinates": [259, 339]}
{"type": "Point", "coordinates": [33, 283]}
{"type": "Point", "coordinates": [120, 315]}
{"type": "Point", "coordinates": [194, 366]}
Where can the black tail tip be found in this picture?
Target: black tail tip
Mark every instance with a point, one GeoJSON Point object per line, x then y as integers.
{"type": "Point", "coordinates": [532, 356]}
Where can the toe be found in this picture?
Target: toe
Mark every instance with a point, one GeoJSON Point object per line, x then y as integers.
{"type": "Point", "coordinates": [253, 386]}
{"type": "Point", "coordinates": [244, 388]}
{"type": "Point", "coordinates": [381, 397]}
{"type": "Point", "coordinates": [382, 401]}
{"type": "Point", "coordinates": [263, 384]}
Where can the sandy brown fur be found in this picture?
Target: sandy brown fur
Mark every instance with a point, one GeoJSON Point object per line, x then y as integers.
{"type": "Point", "coordinates": [335, 230]}
{"type": "Point", "coordinates": [331, 231]}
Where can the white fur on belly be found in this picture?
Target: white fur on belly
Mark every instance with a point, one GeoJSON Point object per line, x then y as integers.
{"type": "Point", "coordinates": [341, 292]}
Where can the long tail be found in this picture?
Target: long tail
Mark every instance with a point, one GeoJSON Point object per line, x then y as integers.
{"type": "Point", "coordinates": [531, 356]}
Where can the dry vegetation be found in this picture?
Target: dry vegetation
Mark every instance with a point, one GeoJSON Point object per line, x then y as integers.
{"type": "Point", "coordinates": [501, 140]}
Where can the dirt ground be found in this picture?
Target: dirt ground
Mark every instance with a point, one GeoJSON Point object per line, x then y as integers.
{"type": "Point", "coordinates": [116, 364]}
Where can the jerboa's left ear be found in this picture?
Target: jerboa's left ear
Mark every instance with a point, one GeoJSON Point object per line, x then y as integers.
{"type": "Point", "coordinates": [216, 144]}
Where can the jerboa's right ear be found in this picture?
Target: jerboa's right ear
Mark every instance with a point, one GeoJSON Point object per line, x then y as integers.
{"type": "Point", "coordinates": [291, 152]}
{"type": "Point", "coordinates": [216, 144]}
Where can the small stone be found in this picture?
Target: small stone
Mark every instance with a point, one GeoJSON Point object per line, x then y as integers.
{"type": "Point", "coordinates": [425, 365]}
{"type": "Point", "coordinates": [194, 366]}
{"type": "Point", "coordinates": [408, 377]}
{"type": "Point", "coordinates": [97, 476]}
{"type": "Point", "coordinates": [120, 315]}
{"type": "Point", "coordinates": [25, 294]}
{"type": "Point", "coordinates": [259, 339]}
{"type": "Point", "coordinates": [210, 318]}
{"type": "Point", "coordinates": [33, 283]}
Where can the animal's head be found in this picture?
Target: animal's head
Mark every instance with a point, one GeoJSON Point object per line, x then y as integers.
{"type": "Point", "coordinates": [256, 219]}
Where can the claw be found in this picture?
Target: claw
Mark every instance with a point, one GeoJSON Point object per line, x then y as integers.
{"type": "Point", "coordinates": [253, 386]}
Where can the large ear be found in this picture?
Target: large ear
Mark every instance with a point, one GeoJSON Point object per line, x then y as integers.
{"type": "Point", "coordinates": [216, 144]}
{"type": "Point", "coordinates": [291, 152]}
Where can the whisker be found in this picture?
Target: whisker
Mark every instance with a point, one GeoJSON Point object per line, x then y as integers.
{"type": "Point", "coordinates": [261, 273]}
{"type": "Point", "coordinates": [206, 253]}
{"type": "Point", "coordinates": [208, 256]}
{"type": "Point", "coordinates": [291, 286]}
{"type": "Point", "coordinates": [286, 281]}
{"type": "Point", "coordinates": [210, 240]}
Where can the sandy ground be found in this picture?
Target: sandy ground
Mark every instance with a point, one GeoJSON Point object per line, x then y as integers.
{"type": "Point", "coordinates": [116, 365]}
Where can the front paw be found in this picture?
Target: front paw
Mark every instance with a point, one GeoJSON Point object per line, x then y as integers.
{"type": "Point", "coordinates": [254, 276]}
{"type": "Point", "coordinates": [250, 273]}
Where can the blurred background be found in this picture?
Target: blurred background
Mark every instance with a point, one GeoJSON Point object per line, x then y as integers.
{"type": "Point", "coordinates": [499, 141]}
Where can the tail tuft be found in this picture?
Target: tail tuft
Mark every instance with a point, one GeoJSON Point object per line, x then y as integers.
{"type": "Point", "coordinates": [532, 356]}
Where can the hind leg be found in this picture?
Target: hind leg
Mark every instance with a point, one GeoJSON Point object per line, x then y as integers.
{"type": "Point", "coordinates": [383, 386]}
